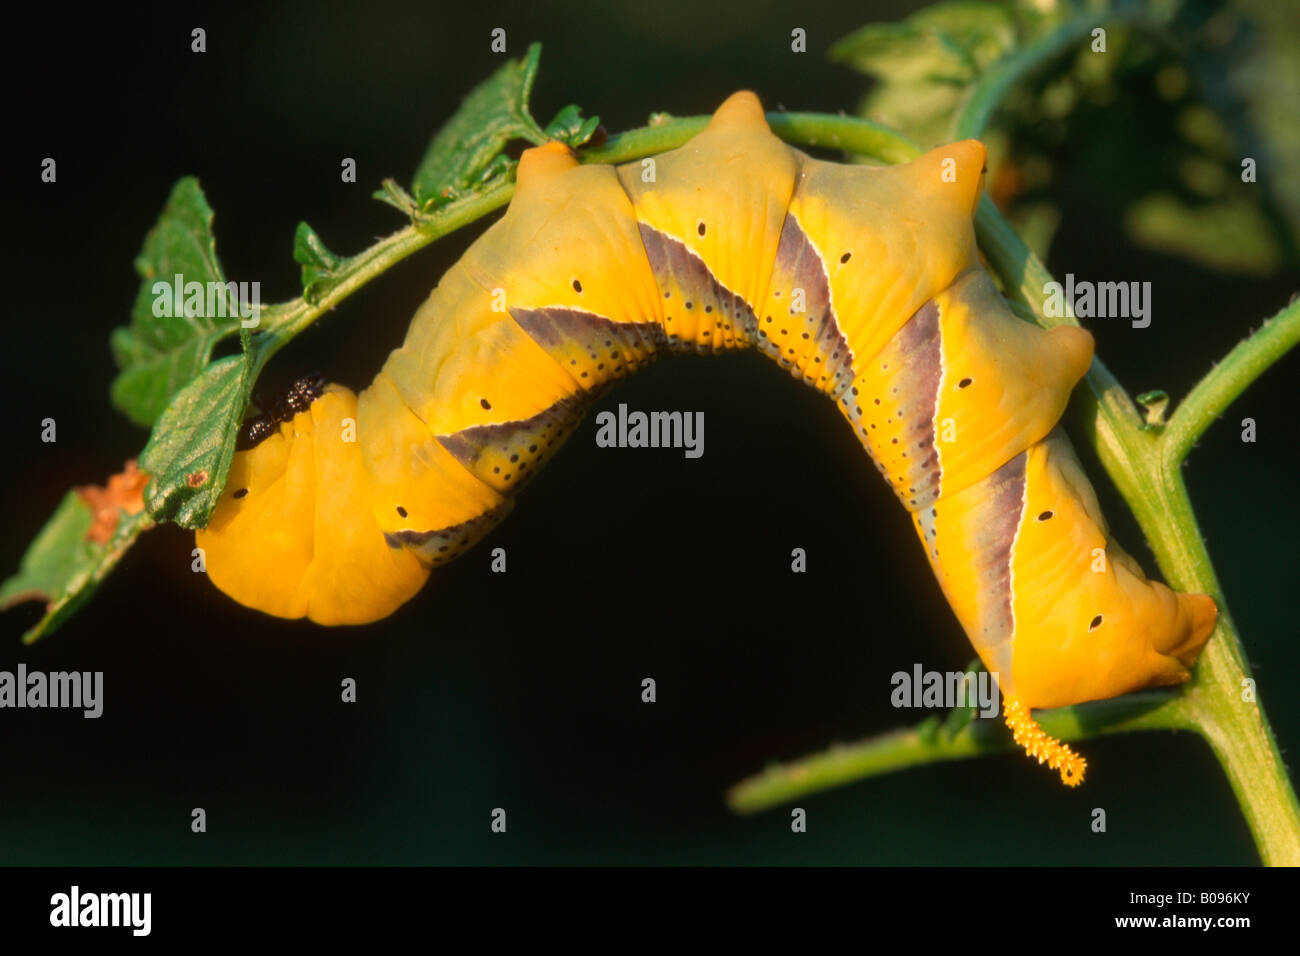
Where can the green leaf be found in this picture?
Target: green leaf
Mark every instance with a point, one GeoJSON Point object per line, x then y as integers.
{"type": "Point", "coordinates": [494, 113]}
{"type": "Point", "coordinates": [1258, 85]}
{"type": "Point", "coordinates": [190, 449]}
{"type": "Point", "coordinates": [63, 567]}
{"type": "Point", "coordinates": [60, 547]}
{"type": "Point", "coordinates": [982, 31]}
{"type": "Point", "coordinates": [158, 355]}
{"type": "Point", "coordinates": [946, 40]}
{"type": "Point", "coordinates": [926, 64]}
{"type": "Point", "coordinates": [1231, 236]}
{"type": "Point", "coordinates": [319, 265]}
{"type": "Point", "coordinates": [569, 126]}
{"type": "Point", "coordinates": [901, 52]}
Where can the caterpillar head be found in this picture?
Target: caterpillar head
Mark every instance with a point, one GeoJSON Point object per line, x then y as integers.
{"type": "Point", "coordinates": [294, 534]}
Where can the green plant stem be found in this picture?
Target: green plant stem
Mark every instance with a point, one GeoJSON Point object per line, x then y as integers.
{"type": "Point", "coordinates": [1235, 727]}
{"type": "Point", "coordinates": [844, 132]}
{"type": "Point", "coordinates": [900, 749]}
{"type": "Point", "coordinates": [291, 318]}
{"type": "Point", "coordinates": [1245, 363]}
{"type": "Point", "coordinates": [806, 129]}
{"type": "Point", "coordinates": [664, 132]}
{"type": "Point", "coordinates": [988, 93]}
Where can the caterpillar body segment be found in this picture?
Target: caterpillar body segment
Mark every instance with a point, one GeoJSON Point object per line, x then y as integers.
{"type": "Point", "coordinates": [864, 282]}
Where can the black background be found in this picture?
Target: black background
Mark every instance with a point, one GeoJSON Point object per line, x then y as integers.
{"type": "Point", "coordinates": [522, 690]}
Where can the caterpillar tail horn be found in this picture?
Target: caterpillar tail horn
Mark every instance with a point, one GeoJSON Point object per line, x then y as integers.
{"type": "Point", "coordinates": [1043, 748]}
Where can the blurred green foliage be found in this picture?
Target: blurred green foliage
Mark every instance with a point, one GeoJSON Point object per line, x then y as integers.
{"type": "Point", "coordinates": [1204, 85]}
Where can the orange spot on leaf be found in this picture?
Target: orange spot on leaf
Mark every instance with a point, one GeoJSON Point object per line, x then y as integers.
{"type": "Point", "coordinates": [123, 493]}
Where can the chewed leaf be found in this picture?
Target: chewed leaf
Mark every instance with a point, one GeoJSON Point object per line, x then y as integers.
{"type": "Point", "coordinates": [81, 543]}
{"type": "Point", "coordinates": [54, 555]}
{"type": "Point", "coordinates": [124, 494]}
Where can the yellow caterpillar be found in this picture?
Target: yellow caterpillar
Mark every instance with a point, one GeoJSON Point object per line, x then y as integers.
{"type": "Point", "coordinates": [862, 281]}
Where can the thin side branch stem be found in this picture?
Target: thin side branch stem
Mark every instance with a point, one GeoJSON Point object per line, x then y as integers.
{"type": "Point", "coordinates": [1214, 393]}
{"type": "Point", "coordinates": [900, 749]}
